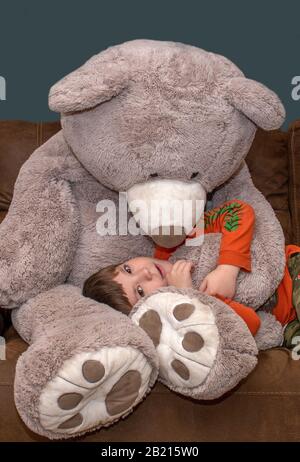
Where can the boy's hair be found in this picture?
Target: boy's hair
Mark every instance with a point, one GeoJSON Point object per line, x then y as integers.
{"type": "Point", "coordinates": [101, 287]}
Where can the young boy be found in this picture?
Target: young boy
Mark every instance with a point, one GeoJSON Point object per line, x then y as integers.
{"type": "Point", "coordinates": [121, 286]}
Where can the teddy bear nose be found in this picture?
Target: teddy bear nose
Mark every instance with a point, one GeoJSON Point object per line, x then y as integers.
{"type": "Point", "coordinates": [168, 237]}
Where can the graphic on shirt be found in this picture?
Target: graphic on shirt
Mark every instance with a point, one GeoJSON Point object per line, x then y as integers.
{"type": "Point", "coordinates": [232, 217]}
{"type": "Point", "coordinates": [235, 221]}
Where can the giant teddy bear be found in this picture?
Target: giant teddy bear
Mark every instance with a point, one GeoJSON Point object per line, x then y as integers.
{"type": "Point", "coordinates": [149, 119]}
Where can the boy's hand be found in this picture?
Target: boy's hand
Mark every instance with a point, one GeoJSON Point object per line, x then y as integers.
{"type": "Point", "coordinates": [180, 274]}
{"type": "Point", "coordinates": [221, 281]}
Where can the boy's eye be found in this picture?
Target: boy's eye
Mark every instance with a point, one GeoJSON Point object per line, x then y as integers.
{"type": "Point", "coordinates": [127, 269]}
{"type": "Point", "coordinates": [140, 291]}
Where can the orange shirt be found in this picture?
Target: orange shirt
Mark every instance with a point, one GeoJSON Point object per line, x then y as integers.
{"type": "Point", "coordinates": [284, 310]}
{"type": "Point", "coordinates": [235, 220]}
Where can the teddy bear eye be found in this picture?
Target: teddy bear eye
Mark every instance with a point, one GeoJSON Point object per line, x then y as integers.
{"type": "Point", "coordinates": [126, 268]}
{"type": "Point", "coordinates": [194, 174]}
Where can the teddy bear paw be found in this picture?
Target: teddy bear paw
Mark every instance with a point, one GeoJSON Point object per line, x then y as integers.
{"type": "Point", "coordinates": [185, 335]}
{"type": "Point", "coordinates": [94, 389]}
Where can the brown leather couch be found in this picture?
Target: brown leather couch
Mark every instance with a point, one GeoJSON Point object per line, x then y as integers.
{"type": "Point", "coordinates": [266, 406]}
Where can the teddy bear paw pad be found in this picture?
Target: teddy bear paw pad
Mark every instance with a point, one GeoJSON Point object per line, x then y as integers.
{"type": "Point", "coordinates": [184, 333]}
{"type": "Point", "coordinates": [93, 389]}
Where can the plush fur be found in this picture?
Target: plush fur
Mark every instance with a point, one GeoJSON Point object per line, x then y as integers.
{"type": "Point", "coordinates": [140, 108]}
{"type": "Point", "coordinates": [236, 353]}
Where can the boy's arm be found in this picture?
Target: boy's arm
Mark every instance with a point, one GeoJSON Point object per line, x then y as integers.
{"type": "Point", "coordinates": [235, 219]}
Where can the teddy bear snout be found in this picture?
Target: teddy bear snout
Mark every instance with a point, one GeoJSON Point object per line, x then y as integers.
{"type": "Point", "coordinates": [167, 210]}
{"type": "Point", "coordinates": [168, 237]}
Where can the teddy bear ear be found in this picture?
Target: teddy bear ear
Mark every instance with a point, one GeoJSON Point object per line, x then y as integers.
{"type": "Point", "coordinates": [98, 80]}
{"type": "Point", "coordinates": [256, 101]}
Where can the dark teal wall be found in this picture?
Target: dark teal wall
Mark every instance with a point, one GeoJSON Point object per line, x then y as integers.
{"type": "Point", "coordinates": [41, 41]}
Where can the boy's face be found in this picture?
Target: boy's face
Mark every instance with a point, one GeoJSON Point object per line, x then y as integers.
{"type": "Point", "coordinates": [141, 276]}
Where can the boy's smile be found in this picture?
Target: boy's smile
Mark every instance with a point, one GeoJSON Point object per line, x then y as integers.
{"type": "Point", "coordinates": [141, 276]}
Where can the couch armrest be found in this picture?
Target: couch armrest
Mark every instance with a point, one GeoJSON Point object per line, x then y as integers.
{"type": "Point", "coordinates": [294, 178]}
{"type": "Point", "coordinates": [2, 215]}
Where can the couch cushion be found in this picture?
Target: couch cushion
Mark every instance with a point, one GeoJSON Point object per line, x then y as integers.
{"type": "Point", "coordinates": [264, 407]}
{"type": "Point", "coordinates": [11, 426]}
{"type": "Point", "coordinates": [269, 167]}
{"type": "Point", "coordinates": [294, 171]}
{"type": "Point", "coordinates": [18, 140]}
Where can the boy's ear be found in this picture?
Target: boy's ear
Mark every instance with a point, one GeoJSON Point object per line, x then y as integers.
{"type": "Point", "coordinates": [256, 101]}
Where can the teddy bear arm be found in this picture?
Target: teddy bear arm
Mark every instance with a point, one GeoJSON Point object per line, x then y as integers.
{"type": "Point", "coordinates": [270, 333]}
{"type": "Point", "coordinates": [39, 234]}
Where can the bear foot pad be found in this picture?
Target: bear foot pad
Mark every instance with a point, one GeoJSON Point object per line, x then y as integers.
{"type": "Point", "coordinates": [94, 389]}
{"type": "Point", "coordinates": [184, 333]}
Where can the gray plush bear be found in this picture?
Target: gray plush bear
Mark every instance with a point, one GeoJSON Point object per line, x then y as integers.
{"type": "Point", "coordinates": [147, 118]}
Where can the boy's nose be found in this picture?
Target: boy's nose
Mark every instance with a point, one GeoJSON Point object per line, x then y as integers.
{"type": "Point", "coordinates": [146, 274]}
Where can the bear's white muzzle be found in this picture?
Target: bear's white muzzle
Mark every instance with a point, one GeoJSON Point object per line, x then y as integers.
{"type": "Point", "coordinates": [167, 210]}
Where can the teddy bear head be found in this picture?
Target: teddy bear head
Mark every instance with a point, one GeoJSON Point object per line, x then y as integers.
{"type": "Point", "coordinates": [162, 119]}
